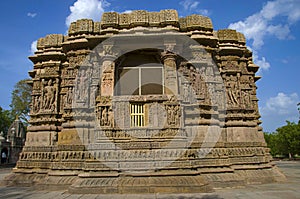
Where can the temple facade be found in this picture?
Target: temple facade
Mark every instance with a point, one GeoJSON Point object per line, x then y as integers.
{"type": "Point", "coordinates": [144, 102]}
{"type": "Point", "coordinates": [11, 145]}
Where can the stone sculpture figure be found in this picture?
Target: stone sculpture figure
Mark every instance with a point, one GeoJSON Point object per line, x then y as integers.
{"type": "Point", "coordinates": [110, 117]}
{"type": "Point", "coordinates": [232, 91]}
{"type": "Point", "coordinates": [103, 117]}
{"type": "Point", "coordinates": [49, 93]}
{"type": "Point", "coordinates": [173, 114]}
{"type": "Point", "coordinates": [69, 97]}
{"type": "Point", "coordinates": [36, 104]}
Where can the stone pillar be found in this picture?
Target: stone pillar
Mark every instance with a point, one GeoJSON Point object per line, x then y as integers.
{"type": "Point", "coordinates": [107, 76]}
{"type": "Point", "coordinates": [170, 73]}
{"type": "Point", "coordinates": [107, 70]}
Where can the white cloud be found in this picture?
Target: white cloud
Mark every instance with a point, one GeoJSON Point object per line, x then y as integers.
{"type": "Point", "coordinates": [253, 28]}
{"type": "Point", "coordinates": [31, 14]}
{"type": "Point", "coordinates": [280, 31]}
{"type": "Point", "coordinates": [278, 109]}
{"type": "Point", "coordinates": [33, 47]}
{"type": "Point", "coordinates": [282, 104]}
{"type": "Point", "coordinates": [192, 6]}
{"type": "Point", "coordinates": [287, 8]}
{"type": "Point", "coordinates": [261, 62]}
{"type": "Point", "coordinates": [264, 65]}
{"type": "Point", "coordinates": [261, 24]}
{"type": "Point", "coordinates": [204, 12]}
{"type": "Point", "coordinates": [274, 19]}
{"type": "Point", "coordinates": [90, 9]}
{"type": "Point", "coordinates": [285, 61]}
{"type": "Point", "coordinates": [189, 4]}
{"type": "Point", "coordinates": [127, 11]}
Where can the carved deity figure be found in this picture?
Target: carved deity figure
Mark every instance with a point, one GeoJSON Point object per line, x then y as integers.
{"type": "Point", "coordinates": [49, 93]}
{"type": "Point", "coordinates": [209, 73]}
{"type": "Point", "coordinates": [173, 115]}
{"type": "Point", "coordinates": [246, 98]}
{"type": "Point", "coordinates": [110, 117]}
{"type": "Point", "coordinates": [232, 91]}
{"type": "Point", "coordinates": [106, 116]}
{"type": "Point", "coordinates": [69, 96]}
{"type": "Point", "coordinates": [186, 92]}
{"type": "Point", "coordinates": [82, 85]}
{"type": "Point", "coordinates": [103, 119]}
{"type": "Point", "coordinates": [199, 83]}
{"type": "Point", "coordinates": [35, 104]}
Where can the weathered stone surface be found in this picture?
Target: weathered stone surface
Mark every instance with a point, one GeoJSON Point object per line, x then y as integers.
{"type": "Point", "coordinates": [199, 130]}
{"type": "Point", "coordinates": [198, 22]}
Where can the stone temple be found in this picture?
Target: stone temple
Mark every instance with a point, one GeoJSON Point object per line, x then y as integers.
{"type": "Point", "coordinates": [144, 102]}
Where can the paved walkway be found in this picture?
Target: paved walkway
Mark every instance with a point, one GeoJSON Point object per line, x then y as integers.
{"type": "Point", "coordinates": [287, 190]}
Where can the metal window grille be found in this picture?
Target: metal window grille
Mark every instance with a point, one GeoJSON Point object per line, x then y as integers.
{"type": "Point", "coordinates": [137, 115]}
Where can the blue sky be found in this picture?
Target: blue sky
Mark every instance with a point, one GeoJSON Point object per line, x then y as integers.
{"type": "Point", "coordinates": [272, 29]}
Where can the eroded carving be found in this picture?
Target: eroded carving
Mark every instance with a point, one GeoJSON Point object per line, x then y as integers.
{"type": "Point", "coordinates": [73, 85]}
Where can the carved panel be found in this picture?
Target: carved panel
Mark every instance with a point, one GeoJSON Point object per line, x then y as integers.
{"type": "Point", "coordinates": [76, 60]}
{"type": "Point", "coordinates": [233, 91]}
{"type": "Point", "coordinates": [124, 20]}
{"type": "Point", "coordinates": [109, 19]}
{"type": "Point", "coordinates": [105, 116]}
{"type": "Point", "coordinates": [84, 26]}
{"type": "Point", "coordinates": [52, 70]}
{"type": "Point", "coordinates": [182, 24]}
{"type": "Point", "coordinates": [69, 137]}
{"type": "Point", "coordinates": [82, 86]}
{"type": "Point", "coordinates": [53, 40]}
{"type": "Point", "coordinates": [231, 65]}
{"type": "Point", "coordinates": [157, 115]}
{"type": "Point", "coordinates": [97, 27]}
{"type": "Point", "coordinates": [170, 74]}
{"type": "Point", "coordinates": [72, 28]}
{"type": "Point", "coordinates": [107, 79]}
{"type": "Point", "coordinates": [139, 18]}
{"type": "Point", "coordinates": [228, 35]}
{"type": "Point", "coordinates": [195, 22]}
{"type": "Point", "coordinates": [173, 115]}
{"type": "Point", "coordinates": [49, 95]}
{"type": "Point", "coordinates": [169, 17]}
{"type": "Point", "coordinates": [68, 98]}
{"type": "Point", "coordinates": [154, 18]}
{"type": "Point", "coordinates": [35, 104]}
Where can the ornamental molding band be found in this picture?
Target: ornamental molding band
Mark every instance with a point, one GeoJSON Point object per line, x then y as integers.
{"type": "Point", "coordinates": [144, 102]}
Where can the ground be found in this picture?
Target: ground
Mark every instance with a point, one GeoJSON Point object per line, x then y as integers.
{"type": "Point", "coordinates": [289, 189]}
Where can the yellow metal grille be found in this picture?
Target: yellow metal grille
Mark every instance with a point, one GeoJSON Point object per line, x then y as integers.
{"type": "Point", "coordinates": [137, 115]}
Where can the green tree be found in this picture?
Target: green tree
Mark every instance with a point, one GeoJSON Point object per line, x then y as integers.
{"type": "Point", "coordinates": [288, 139]}
{"type": "Point", "coordinates": [5, 120]}
{"type": "Point", "coordinates": [21, 99]}
{"type": "Point", "coordinates": [299, 111]}
{"type": "Point", "coordinates": [272, 143]}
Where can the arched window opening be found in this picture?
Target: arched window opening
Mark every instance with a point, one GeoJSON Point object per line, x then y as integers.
{"type": "Point", "coordinates": [141, 73]}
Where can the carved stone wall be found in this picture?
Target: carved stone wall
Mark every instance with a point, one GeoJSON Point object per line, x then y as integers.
{"type": "Point", "coordinates": [74, 81]}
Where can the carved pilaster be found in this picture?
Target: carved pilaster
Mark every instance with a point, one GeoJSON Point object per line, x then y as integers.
{"type": "Point", "coordinates": [170, 72]}
{"type": "Point", "coordinates": [107, 78]}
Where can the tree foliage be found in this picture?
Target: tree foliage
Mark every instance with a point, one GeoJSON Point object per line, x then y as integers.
{"type": "Point", "coordinates": [271, 140]}
{"type": "Point", "coordinates": [5, 120]}
{"type": "Point", "coordinates": [289, 139]}
{"type": "Point", "coordinates": [285, 141]}
{"type": "Point", "coordinates": [21, 99]}
{"type": "Point", "coordinates": [299, 111]}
